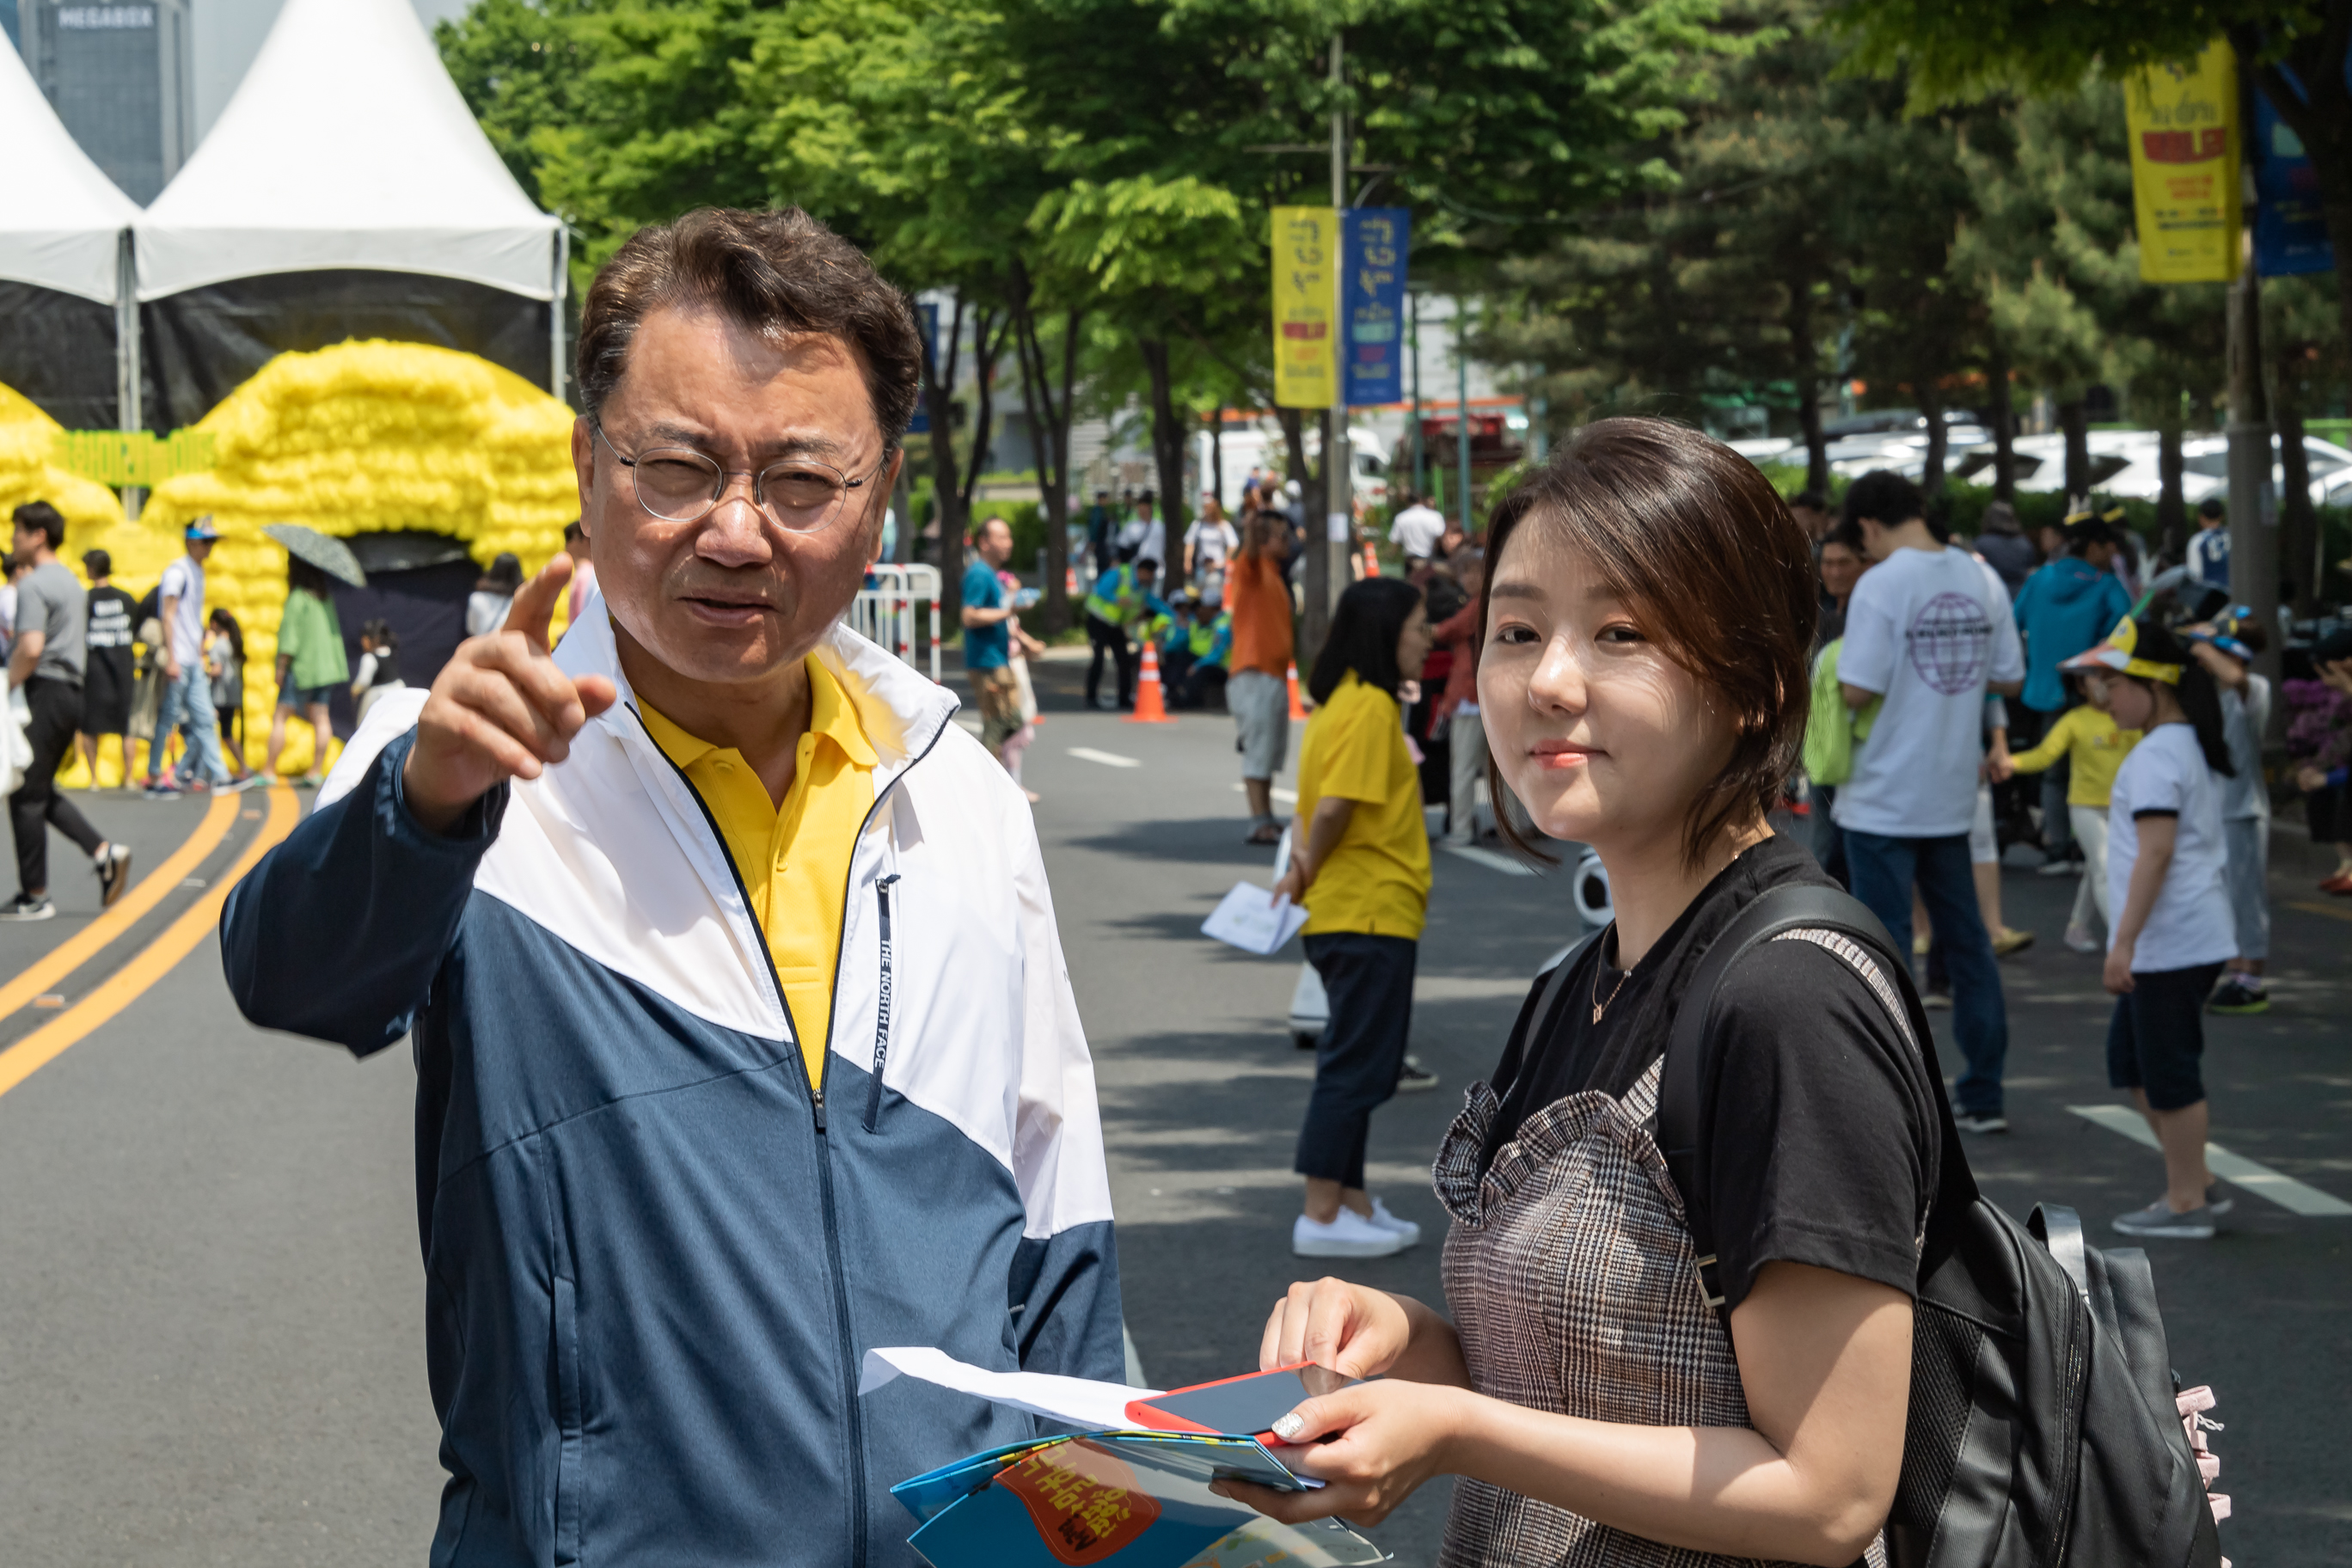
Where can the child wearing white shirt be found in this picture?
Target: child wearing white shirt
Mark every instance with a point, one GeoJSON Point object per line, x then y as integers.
{"type": "Point", "coordinates": [2167, 885]}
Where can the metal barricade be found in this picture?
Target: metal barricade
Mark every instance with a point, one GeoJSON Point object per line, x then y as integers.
{"type": "Point", "coordinates": [888, 609]}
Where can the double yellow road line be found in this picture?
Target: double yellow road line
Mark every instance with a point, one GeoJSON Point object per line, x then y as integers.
{"type": "Point", "coordinates": [118, 990]}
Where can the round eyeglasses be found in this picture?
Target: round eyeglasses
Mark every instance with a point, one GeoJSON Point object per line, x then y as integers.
{"type": "Point", "coordinates": [679, 484]}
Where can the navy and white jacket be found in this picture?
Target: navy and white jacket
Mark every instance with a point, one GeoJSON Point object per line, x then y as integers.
{"type": "Point", "coordinates": [654, 1257]}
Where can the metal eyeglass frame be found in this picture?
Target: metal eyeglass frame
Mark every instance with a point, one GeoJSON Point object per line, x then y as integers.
{"type": "Point", "coordinates": [757, 475]}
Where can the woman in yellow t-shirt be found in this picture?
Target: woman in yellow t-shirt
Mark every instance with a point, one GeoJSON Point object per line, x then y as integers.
{"type": "Point", "coordinates": [2094, 748]}
{"type": "Point", "coordinates": [1359, 866]}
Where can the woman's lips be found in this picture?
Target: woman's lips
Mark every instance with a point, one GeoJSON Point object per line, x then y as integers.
{"type": "Point", "coordinates": [1559, 754]}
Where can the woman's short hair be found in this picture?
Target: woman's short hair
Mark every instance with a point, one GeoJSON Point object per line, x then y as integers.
{"type": "Point", "coordinates": [505, 575]}
{"type": "Point", "coordinates": [773, 272]}
{"type": "Point", "coordinates": [1701, 548]}
{"type": "Point", "coordinates": [1365, 627]}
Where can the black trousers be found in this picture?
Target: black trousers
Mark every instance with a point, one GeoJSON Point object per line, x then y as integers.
{"type": "Point", "coordinates": [37, 806]}
{"type": "Point", "coordinates": [1110, 638]}
{"type": "Point", "coordinates": [1368, 980]}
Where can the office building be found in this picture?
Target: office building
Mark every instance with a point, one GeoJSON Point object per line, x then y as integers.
{"type": "Point", "coordinates": [118, 76]}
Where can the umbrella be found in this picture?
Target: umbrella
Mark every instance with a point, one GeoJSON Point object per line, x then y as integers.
{"type": "Point", "coordinates": [329, 554]}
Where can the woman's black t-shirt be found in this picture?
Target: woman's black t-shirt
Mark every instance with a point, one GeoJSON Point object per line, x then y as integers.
{"type": "Point", "coordinates": [1821, 1134]}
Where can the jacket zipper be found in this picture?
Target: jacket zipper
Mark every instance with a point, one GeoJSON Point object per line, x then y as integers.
{"type": "Point", "coordinates": [882, 1008]}
{"type": "Point", "coordinates": [817, 1106]}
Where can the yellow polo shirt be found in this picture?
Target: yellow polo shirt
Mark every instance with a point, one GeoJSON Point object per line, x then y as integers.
{"type": "Point", "coordinates": [794, 857]}
{"type": "Point", "coordinates": [1377, 880]}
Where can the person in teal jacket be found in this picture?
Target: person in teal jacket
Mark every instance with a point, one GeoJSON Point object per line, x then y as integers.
{"type": "Point", "coordinates": [2064, 608]}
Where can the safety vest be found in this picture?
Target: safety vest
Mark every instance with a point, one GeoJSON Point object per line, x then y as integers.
{"type": "Point", "coordinates": [1123, 600]}
{"type": "Point", "coordinates": [1213, 643]}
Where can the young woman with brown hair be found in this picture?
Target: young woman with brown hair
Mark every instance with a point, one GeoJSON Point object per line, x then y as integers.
{"type": "Point", "coordinates": [1650, 609]}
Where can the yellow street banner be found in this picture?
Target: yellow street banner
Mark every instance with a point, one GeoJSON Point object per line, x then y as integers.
{"type": "Point", "coordinates": [2185, 180]}
{"type": "Point", "coordinates": [1306, 306]}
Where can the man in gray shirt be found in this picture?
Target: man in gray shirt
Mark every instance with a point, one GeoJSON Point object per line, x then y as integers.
{"type": "Point", "coordinates": [47, 661]}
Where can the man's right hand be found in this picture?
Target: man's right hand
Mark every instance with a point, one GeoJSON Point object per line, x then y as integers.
{"type": "Point", "coordinates": [500, 710]}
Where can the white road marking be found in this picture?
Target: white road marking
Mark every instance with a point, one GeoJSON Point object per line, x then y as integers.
{"type": "Point", "coordinates": [1287, 796]}
{"type": "Point", "coordinates": [1108, 759]}
{"type": "Point", "coordinates": [2236, 1169]}
{"type": "Point", "coordinates": [1488, 859]}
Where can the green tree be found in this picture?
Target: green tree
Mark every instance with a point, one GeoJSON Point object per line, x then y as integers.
{"type": "Point", "coordinates": [2295, 50]}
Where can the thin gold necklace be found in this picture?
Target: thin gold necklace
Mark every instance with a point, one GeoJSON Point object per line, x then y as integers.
{"type": "Point", "coordinates": [1600, 1007]}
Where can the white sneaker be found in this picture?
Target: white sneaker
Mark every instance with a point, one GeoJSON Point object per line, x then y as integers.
{"type": "Point", "coordinates": [1387, 1221]}
{"type": "Point", "coordinates": [1349, 1235]}
{"type": "Point", "coordinates": [2080, 939]}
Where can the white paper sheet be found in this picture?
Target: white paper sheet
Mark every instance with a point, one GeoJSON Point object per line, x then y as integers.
{"type": "Point", "coordinates": [1076, 1401]}
{"type": "Point", "coordinates": [1249, 918]}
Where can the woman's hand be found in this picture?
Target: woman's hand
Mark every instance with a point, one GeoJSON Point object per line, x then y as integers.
{"type": "Point", "coordinates": [1354, 1329]}
{"type": "Point", "coordinates": [1387, 1438]}
{"type": "Point", "coordinates": [2117, 974]}
{"type": "Point", "coordinates": [1293, 882]}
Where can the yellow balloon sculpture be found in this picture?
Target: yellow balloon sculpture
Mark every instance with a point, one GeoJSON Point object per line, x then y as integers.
{"type": "Point", "coordinates": [93, 513]}
{"type": "Point", "coordinates": [358, 438]}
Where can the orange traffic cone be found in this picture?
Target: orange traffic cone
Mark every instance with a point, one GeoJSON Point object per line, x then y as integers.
{"type": "Point", "coordinates": [1371, 562]}
{"type": "Point", "coordinates": [1296, 709]}
{"type": "Point", "coordinates": [1070, 580]}
{"type": "Point", "coordinates": [1148, 708]}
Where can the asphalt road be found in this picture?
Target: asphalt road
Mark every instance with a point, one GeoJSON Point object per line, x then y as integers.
{"type": "Point", "coordinates": [210, 1303]}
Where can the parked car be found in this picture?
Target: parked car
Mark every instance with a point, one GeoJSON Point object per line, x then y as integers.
{"type": "Point", "coordinates": [2205, 469]}
{"type": "Point", "coordinates": [2038, 463]}
{"type": "Point", "coordinates": [1904, 451]}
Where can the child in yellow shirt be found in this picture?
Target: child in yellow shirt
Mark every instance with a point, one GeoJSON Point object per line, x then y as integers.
{"type": "Point", "coordinates": [2094, 749]}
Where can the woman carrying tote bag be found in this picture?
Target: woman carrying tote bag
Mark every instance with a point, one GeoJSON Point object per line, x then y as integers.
{"type": "Point", "coordinates": [1650, 607]}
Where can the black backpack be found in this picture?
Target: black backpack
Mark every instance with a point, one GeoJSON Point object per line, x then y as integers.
{"type": "Point", "coordinates": [2043, 1429]}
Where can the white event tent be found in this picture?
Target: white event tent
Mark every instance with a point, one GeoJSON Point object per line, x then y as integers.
{"type": "Point", "coordinates": [346, 191]}
{"type": "Point", "coordinates": [62, 227]}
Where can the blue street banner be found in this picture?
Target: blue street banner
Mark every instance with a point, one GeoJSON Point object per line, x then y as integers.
{"type": "Point", "coordinates": [930, 315]}
{"type": "Point", "coordinates": [2290, 235]}
{"type": "Point", "coordinates": [1372, 309]}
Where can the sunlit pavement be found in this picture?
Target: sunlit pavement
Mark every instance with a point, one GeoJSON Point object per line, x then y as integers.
{"type": "Point", "coordinates": [208, 1266]}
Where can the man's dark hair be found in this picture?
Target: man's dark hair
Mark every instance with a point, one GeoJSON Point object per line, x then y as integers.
{"type": "Point", "coordinates": [312, 579]}
{"type": "Point", "coordinates": [571, 531]}
{"type": "Point", "coordinates": [2083, 535]}
{"type": "Point", "coordinates": [40, 517]}
{"type": "Point", "coordinates": [773, 272]}
{"type": "Point", "coordinates": [1365, 626]}
{"type": "Point", "coordinates": [1883, 497]}
{"type": "Point", "coordinates": [2210, 506]}
{"type": "Point", "coordinates": [98, 563]}
{"type": "Point", "coordinates": [1149, 564]}
{"type": "Point", "coordinates": [1812, 500]}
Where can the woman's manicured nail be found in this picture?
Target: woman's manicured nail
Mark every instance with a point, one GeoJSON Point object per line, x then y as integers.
{"type": "Point", "coordinates": [1289, 1426]}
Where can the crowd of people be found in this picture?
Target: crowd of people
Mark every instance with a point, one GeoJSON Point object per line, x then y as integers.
{"type": "Point", "coordinates": [744, 1039]}
{"type": "Point", "coordinates": [1946, 676]}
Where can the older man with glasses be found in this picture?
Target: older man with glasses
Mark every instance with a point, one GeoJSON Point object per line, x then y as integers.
{"type": "Point", "coordinates": [744, 1036]}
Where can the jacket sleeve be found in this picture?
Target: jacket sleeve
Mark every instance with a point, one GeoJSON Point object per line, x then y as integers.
{"type": "Point", "coordinates": [339, 932]}
{"type": "Point", "coordinates": [1065, 1272]}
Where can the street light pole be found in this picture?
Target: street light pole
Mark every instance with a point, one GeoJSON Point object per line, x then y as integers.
{"type": "Point", "coordinates": [1338, 456]}
{"type": "Point", "coordinates": [1413, 333]}
{"type": "Point", "coordinates": [1461, 414]}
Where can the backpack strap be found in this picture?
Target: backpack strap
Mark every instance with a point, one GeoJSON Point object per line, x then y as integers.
{"type": "Point", "coordinates": [1691, 1062]}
